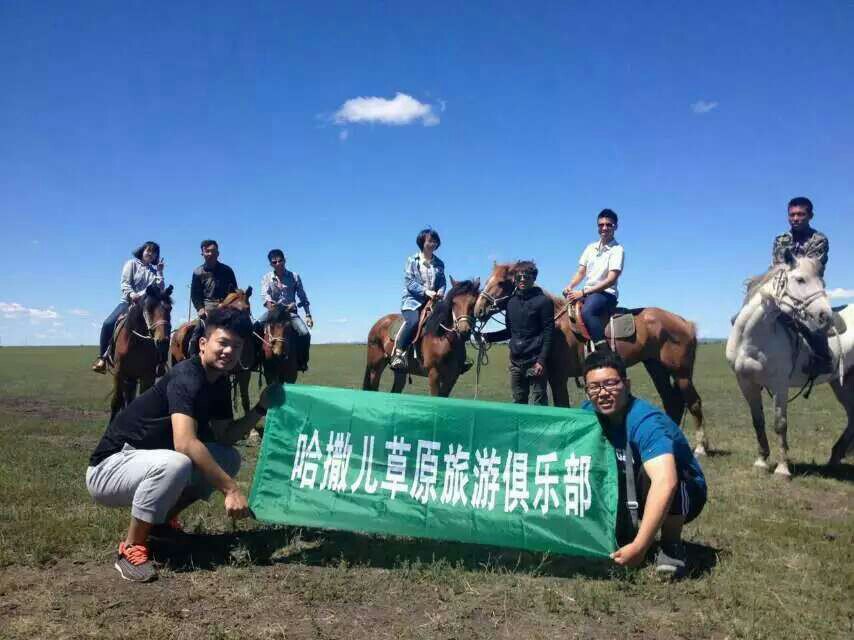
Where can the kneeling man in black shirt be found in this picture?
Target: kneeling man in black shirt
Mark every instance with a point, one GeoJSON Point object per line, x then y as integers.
{"type": "Point", "coordinates": [173, 444]}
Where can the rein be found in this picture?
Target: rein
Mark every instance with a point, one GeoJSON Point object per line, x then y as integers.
{"type": "Point", "coordinates": [151, 326]}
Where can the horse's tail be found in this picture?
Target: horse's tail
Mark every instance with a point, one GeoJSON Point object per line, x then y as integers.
{"type": "Point", "coordinates": [366, 381]}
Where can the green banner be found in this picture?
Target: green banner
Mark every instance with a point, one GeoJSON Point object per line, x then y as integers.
{"type": "Point", "coordinates": [530, 477]}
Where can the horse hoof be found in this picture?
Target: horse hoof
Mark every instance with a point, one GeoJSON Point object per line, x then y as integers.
{"type": "Point", "coordinates": [761, 463]}
{"type": "Point", "coordinates": [254, 439]}
{"type": "Point", "coordinates": [782, 472]}
{"type": "Point", "coordinates": [700, 450]}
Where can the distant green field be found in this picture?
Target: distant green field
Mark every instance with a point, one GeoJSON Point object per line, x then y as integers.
{"type": "Point", "coordinates": [771, 559]}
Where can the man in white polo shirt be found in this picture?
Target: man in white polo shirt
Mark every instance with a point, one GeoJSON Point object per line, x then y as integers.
{"type": "Point", "coordinates": [601, 263]}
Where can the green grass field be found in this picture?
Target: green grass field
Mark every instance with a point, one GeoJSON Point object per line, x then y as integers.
{"type": "Point", "coordinates": [772, 559]}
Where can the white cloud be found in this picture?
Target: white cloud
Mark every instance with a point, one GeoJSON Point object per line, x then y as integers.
{"type": "Point", "coordinates": [15, 310]}
{"type": "Point", "coordinates": [841, 293]}
{"type": "Point", "coordinates": [401, 110]}
{"type": "Point", "coordinates": [80, 313]}
{"type": "Point", "coordinates": [704, 106]}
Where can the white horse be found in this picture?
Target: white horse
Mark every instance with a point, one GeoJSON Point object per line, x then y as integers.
{"type": "Point", "coordinates": [766, 352]}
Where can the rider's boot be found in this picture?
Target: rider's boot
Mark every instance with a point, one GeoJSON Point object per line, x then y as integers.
{"type": "Point", "coordinates": [100, 365]}
{"type": "Point", "coordinates": [398, 360]}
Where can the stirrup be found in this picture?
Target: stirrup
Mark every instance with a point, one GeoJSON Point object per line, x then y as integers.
{"type": "Point", "coordinates": [398, 362]}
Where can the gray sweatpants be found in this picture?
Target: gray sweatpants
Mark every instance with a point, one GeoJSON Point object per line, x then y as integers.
{"type": "Point", "coordinates": [152, 480]}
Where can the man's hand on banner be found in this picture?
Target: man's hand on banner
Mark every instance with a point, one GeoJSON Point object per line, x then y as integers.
{"type": "Point", "coordinates": [630, 555]}
{"type": "Point", "coordinates": [273, 395]}
{"type": "Point", "coordinates": [236, 505]}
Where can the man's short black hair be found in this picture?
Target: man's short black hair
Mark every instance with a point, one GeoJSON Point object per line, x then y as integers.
{"type": "Point", "coordinates": [801, 201]}
{"type": "Point", "coordinates": [605, 359]}
{"type": "Point", "coordinates": [275, 253]}
{"type": "Point", "coordinates": [207, 243]}
{"type": "Point", "coordinates": [230, 319]}
{"type": "Point", "coordinates": [526, 266]}
{"type": "Point", "coordinates": [423, 235]}
{"type": "Point", "coordinates": [609, 214]}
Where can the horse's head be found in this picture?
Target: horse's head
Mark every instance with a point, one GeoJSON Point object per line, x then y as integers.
{"type": "Point", "coordinates": [237, 299]}
{"type": "Point", "coordinates": [276, 330]}
{"type": "Point", "coordinates": [797, 289]}
{"type": "Point", "coordinates": [157, 314]}
{"type": "Point", "coordinates": [498, 289]}
{"type": "Point", "coordinates": [462, 298]}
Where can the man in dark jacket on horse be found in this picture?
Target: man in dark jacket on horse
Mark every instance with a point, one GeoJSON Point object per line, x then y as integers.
{"type": "Point", "coordinates": [530, 325]}
{"type": "Point", "coordinates": [212, 282]}
{"type": "Point", "coordinates": [802, 241]}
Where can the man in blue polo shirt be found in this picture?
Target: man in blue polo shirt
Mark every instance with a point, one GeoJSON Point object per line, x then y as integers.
{"type": "Point", "coordinates": [670, 486]}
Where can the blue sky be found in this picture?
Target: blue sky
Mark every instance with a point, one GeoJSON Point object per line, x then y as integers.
{"type": "Point", "coordinates": [518, 122]}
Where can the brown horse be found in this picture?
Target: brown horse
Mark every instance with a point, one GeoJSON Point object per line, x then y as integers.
{"type": "Point", "coordinates": [442, 346]}
{"type": "Point", "coordinates": [180, 344]}
{"type": "Point", "coordinates": [664, 342]}
{"type": "Point", "coordinates": [141, 344]}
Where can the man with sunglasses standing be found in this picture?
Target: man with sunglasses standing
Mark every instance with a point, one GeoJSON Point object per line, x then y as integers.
{"type": "Point", "coordinates": [601, 263]}
{"type": "Point", "coordinates": [282, 288]}
{"type": "Point", "coordinates": [664, 485]}
{"type": "Point", "coordinates": [530, 325]}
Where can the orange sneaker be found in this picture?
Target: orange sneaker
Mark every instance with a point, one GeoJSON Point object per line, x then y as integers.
{"type": "Point", "coordinates": [133, 563]}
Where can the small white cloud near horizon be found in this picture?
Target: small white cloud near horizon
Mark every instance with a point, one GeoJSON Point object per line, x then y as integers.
{"type": "Point", "coordinates": [401, 110]}
{"type": "Point", "coordinates": [704, 106]}
{"type": "Point", "coordinates": [840, 293]}
{"type": "Point", "coordinates": [80, 313]}
{"type": "Point", "coordinates": [14, 310]}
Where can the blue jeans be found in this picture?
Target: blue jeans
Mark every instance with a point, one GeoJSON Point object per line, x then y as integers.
{"type": "Point", "coordinates": [109, 326]}
{"type": "Point", "coordinates": [596, 311]}
{"type": "Point", "coordinates": [407, 333]}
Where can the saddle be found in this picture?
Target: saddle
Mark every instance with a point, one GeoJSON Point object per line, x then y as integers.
{"type": "Point", "coordinates": [621, 326]}
{"type": "Point", "coordinates": [839, 325]}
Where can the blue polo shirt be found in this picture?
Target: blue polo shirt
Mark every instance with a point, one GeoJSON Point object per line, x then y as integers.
{"type": "Point", "coordinates": [651, 434]}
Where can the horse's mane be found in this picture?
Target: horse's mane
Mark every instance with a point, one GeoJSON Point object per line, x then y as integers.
{"type": "Point", "coordinates": [442, 311]}
{"type": "Point", "coordinates": [147, 303]}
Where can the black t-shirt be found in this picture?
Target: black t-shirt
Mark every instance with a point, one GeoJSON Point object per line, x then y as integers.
{"type": "Point", "coordinates": [146, 422]}
{"type": "Point", "coordinates": [211, 285]}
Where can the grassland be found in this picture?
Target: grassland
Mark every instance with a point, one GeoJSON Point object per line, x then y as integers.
{"type": "Point", "coordinates": [771, 559]}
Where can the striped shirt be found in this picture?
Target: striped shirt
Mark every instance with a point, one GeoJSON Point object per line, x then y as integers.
{"type": "Point", "coordinates": [418, 277]}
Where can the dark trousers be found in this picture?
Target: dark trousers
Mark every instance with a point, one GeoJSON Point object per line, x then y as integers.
{"type": "Point", "coordinates": [407, 333]}
{"type": "Point", "coordinates": [596, 311]}
{"type": "Point", "coordinates": [521, 384]}
{"type": "Point", "coordinates": [109, 326]}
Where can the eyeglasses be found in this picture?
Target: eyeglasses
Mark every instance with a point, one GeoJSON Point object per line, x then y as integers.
{"type": "Point", "coordinates": [277, 261]}
{"type": "Point", "coordinates": [610, 385]}
{"type": "Point", "coordinates": [606, 225]}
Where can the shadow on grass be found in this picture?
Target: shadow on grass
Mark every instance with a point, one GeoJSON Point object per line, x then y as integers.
{"type": "Point", "coordinates": [842, 471]}
{"type": "Point", "coordinates": [274, 545]}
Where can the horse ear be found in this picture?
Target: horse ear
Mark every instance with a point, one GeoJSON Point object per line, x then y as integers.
{"type": "Point", "coordinates": [789, 257]}
{"type": "Point", "coordinates": [453, 282]}
{"type": "Point", "coordinates": [248, 292]}
{"type": "Point", "coordinates": [152, 290]}
{"type": "Point", "coordinates": [168, 291]}
{"type": "Point", "coordinates": [476, 283]}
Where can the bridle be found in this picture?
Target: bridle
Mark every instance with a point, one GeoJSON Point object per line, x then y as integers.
{"type": "Point", "coordinates": [454, 328]}
{"type": "Point", "coordinates": [783, 297]}
{"type": "Point", "coordinates": [494, 302]}
{"type": "Point", "coordinates": [151, 326]}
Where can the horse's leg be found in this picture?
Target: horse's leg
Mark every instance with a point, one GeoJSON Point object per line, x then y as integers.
{"type": "Point", "coordinates": [560, 394]}
{"type": "Point", "coordinates": [691, 399]}
{"type": "Point", "coordinates": [781, 425]}
{"type": "Point", "coordinates": [752, 393]}
{"type": "Point", "coordinates": [435, 380]}
{"type": "Point", "coordinates": [448, 376]}
{"type": "Point", "coordinates": [674, 406]}
{"type": "Point", "coordinates": [845, 395]}
{"type": "Point", "coordinates": [118, 400]}
{"type": "Point", "coordinates": [243, 378]}
{"type": "Point", "coordinates": [374, 367]}
{"type": "Point", "coordinates": [399, 381]}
